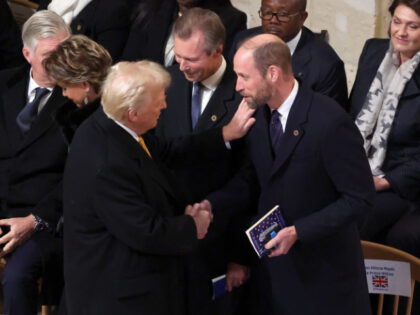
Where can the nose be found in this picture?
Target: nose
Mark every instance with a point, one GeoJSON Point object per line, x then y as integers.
{"type": "Point", "coordinates": [402, 30]}
{"type": "Point", "coordinates": [64, 93]}
{"type": "Point", "coordinates": [238, 86]}
{"type": "Point", "coordinates": [274, 19]}
{"type": "Point", "coordinates": [183, 65]}
{"type": "Point", "coordinates": [164, 105]}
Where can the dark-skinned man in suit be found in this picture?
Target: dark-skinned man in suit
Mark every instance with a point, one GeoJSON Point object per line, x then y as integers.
{"type": "Point", "coordinates": [314, 62]}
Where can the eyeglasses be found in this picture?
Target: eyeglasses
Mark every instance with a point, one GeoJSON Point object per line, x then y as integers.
{"type": "Point", "coordinates": [281, 17]}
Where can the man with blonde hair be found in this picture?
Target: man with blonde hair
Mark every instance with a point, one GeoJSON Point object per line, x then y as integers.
{"type": "Point", "coordinates": [315, 265]}
{"type": "Point", "coordinates": [126, 225]}
{"type": "Point", "coordinates": [32, 157]}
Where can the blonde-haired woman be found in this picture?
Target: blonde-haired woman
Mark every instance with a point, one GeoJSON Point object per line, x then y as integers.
{"type": "Point", "coordinates": [79, 66]}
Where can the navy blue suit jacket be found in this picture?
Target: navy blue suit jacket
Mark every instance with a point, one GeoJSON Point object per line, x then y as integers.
{"type": "Point", "coordinates": [402, 161]}
{"type": "Point", "coordinates": [320, 177]}
{"type": "Point", "coordinates": [31, 166]}
{"type": "Point", "coordinates": [314, 62]}
{"type": "Point", "coordinates": [214, 252]}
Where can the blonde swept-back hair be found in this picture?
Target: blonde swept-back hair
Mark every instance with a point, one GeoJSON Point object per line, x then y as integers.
{"type": "Point", "coordinates": [128, 85]}
{"type": "Point", "coordinates": [204, 20]}
{"type": "Point", "coordinates": [78, 59]}
{"type": "Point", "coordinates": [42, 24]}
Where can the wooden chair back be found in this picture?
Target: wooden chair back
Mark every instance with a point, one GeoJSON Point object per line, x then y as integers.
{"type": "Point", "coordinates": [378, 251]}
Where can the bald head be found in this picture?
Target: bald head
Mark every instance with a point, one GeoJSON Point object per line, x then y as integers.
{"type": "Point", "coordinates": [268, 50]}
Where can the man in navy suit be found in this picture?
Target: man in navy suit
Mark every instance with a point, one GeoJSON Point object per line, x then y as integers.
{"type": "Point", "coordinates": [314, 62]}
{"type": "Point", "coordinates": [307, 156]}
{"type": "Point", "coordinates": [202, 97]}
{"type": "Point", "coordinates": [32, 157]}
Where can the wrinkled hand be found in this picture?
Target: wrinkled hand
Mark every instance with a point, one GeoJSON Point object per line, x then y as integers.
{"type": "Point", "coordinates": [236, 275]}
{"type": "Point", "coordinates": [240, 123]}
{"type": "Point", "coordinates": [380, 183]}
{"type": "Point", "coordinates": [21, 229]}
{"type": "Point", "coordinates": [285, 239]}
{"type": "Point", "coordinates": [202, 218]}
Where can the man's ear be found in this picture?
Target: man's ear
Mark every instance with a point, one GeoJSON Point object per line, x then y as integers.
{"type": "Point", "coordinates": [132, 114]}
{"type": "Point", "coordinates": [27, 54]}
{"type": "Point", "coordinates": [273, 73]}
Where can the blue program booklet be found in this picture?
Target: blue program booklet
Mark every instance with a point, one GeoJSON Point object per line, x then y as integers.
{"type": "Point", "coordinates": [219, 286]}
{"type": "Point", "coordinates": [265, 229]}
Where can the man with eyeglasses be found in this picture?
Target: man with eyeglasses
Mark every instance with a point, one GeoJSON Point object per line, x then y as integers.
{"type": "Point", "coordinates": [314, 62]}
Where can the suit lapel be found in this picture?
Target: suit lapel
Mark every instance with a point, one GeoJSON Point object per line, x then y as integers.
{"type": "Point", "coordinates": [260, 138]}
{"type": "Point", "coordinates": [294, 128]}
{"type": "Point", "coordinates": [45, 120]}
{"type": "Point", "coordinates": [134, 151]}
{"type": "Point", "coordinates": [160, 29]}
{"type": "Point", "coordinates": [301, 56]}
{"type": "Point", "coordinates": [217, 106]}
{"type": "Point", "coordinates": [413, 86]}
{"type": "Point", "coordinates": [182, 112]}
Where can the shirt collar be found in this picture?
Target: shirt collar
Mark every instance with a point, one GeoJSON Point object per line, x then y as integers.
{"type": "Point", "coordinates": [213, 81]}
{"type": "Point", "coordinates": [33, 85]}
{"type": "Point", "coordinates": [292, 44]}
{"type": "Point", "coordinates": [284, 108]}
{"type": "Point", "coordinates": [130, 132]}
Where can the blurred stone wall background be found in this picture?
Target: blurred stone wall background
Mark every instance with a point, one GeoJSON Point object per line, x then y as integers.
{"type": "Point", "coordinates": [349, 23]}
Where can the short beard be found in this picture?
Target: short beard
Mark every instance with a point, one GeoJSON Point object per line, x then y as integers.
{"type": "Point", "coordinates": [252, 104]}
{"type": "Point", "coordinates": [262, 97]}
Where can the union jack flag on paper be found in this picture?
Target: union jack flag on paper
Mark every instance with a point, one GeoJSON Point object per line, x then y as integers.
{"type": "Point", "coordinates": [380, 281]}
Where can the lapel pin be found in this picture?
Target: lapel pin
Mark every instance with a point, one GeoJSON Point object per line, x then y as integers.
{"type": "Point", "coordinates": [299, 74]}
{"type": "Point", "coordinates": [296, 132]}
{"type": "Point", "coordinates": [79, 27]}
{"type": "Point", "coordinates": [213, 118]}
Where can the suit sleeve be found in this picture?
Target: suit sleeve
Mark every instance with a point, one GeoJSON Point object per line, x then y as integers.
{"type": "Point", "coordinates": [405, 178]}
{"type": "Point", "coordinates": [347, 166]}
{"type": "Point", "coordinates": [50, 208]}
{"type": "Point", "coordinates": [334, 83]}
{"type": "Point", "coordinates": [191, 149]}
{"type": "Point", "coordinates": [123, 209]}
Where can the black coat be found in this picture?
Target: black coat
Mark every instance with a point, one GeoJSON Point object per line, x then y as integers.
{"type": "Point", "coordinates": [314, 62]}
{"type": "Point", "coordinates": [10, 39]}
{"type": "Point", "coordinates": [402, 160]}
{"type": "Point", "coordinates": [70, 117]}
{"type": "Point", "coordinates": [320, 178]}
{"type": "Point", "coordinates": [124, 229]}
{"type": "Point", "coordinates": [104, 21]}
